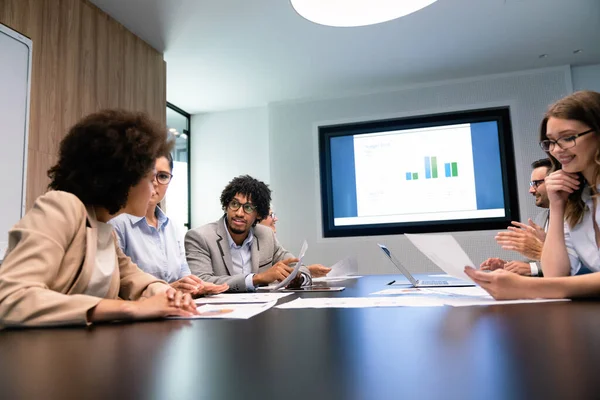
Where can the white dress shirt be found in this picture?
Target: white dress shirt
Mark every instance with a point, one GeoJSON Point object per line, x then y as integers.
{"type": "Point", "coordinates": [241, 256]}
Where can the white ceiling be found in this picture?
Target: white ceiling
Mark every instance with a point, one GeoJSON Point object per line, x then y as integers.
{"type": "Point", "coordinates": [228, 54]}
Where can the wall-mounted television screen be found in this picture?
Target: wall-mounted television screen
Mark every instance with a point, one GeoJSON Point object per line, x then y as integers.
{"type": "Point", "coordinates": [433, 173]}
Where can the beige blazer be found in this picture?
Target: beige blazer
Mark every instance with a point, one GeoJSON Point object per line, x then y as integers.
{"type": "Point", "coordinates": [50, 258]}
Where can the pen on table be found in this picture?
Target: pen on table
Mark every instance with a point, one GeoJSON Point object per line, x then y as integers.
{"type": "Point", "coordinates": [392, 282]}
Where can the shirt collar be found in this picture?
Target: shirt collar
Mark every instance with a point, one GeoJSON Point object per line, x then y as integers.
{"type": "Point", "coordinates": [162, 218]}
{"type": "Point", "coordinates": [232, 244]}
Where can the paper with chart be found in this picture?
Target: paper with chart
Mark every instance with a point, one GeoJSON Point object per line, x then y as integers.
{"type": "Point", "coordinates": [458, 296]}
{"type": "Point", "coordinates": [340, 271]}
{"type": "Point", "coordinates": [238, 298]}
{"type": "Point", "coordinates": [229, 311]}
{"type": "Point", "coordinates": [444, 251]}
{"type": "Point", "coordinates": [291, 276]}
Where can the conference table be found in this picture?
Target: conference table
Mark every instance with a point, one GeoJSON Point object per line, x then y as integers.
{"type": "Point", "coordinates": [525, 351]}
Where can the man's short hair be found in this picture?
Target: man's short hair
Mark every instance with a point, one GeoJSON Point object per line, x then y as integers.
{"type": "Point", "coordinates": [543, 162]}
{"type": "Point", "coordinates": [258, 192]}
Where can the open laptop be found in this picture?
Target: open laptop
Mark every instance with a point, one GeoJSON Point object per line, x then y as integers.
{"type": "Point", "coordinates": [417, 283]}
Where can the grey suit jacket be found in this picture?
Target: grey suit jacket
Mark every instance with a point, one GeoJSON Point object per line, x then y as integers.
{"type": "Point", "coordinates": [207, 253]}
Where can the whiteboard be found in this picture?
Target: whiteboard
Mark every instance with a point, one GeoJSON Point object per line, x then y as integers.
{"type": "Point", "coordinates": [15, 87]}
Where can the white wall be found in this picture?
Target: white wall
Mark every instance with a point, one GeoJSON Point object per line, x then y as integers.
{"type": "Point", "coordinates": [227, 144]}
{"type": "Point", "coordinates": [294, 157]}
{"type": "Point", "coordinates": [223, 146]}
{"type": "Point", "coordinates": [586, 78]}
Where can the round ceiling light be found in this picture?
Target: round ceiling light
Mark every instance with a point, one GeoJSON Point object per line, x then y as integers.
{"type": "Point", "coordinates": [346, 13]}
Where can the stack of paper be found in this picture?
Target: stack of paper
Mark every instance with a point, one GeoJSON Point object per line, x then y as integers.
{"type": "Point", "coordinates": [459, 296]}
{"type": "Point", "coordinates": [230, 311]}
{"type": "Point", "coordinates": [362, 302]}
{"type": "Point", "coordinates": [237, 298]}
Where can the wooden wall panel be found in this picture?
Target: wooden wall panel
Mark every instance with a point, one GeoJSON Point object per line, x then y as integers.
{"type": "Point", "coordinates": [83, 61]}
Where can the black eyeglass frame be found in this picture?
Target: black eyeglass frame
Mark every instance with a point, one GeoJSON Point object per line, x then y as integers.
{"type": "Point", "coordinates": [548, 145]}
{"type": "Point", "coordinates": [235, 205]}
{"type": "Point", "coordinates": [536, 183]}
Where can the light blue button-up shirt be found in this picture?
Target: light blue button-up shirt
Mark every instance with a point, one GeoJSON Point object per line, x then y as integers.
{"type": "Point", "coordinates": [241, 256]}
{"type": "Point", "coordinates": [159, 252]}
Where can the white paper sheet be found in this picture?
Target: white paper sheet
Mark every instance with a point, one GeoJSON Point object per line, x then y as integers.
{"type": "Point", "coordinates": [291, 276]}
{"type": "Point", "coordinates": [476, 301]}
{"type": "Point", "coordinates": [229, 311]}
{"type": "Point", "coordinates": [444, 251]}
{"type": "Point", "coordinates": [408, 290]}
{"type": "Point", "coordinates": [346, 267]}
{"type": "Point", "coordinates": [336, 278]}
{"type": "Point", "coordinates": [362, 302]}
{"type": "Point", "coordinates": [237, 298]}
{"type": "Point", "coordinates": [469, 291]}
{"type": "Point", "coordinates": [459, 296]}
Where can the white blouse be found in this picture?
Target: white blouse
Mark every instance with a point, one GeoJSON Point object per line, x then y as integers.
{"type": "Point", "coordinates": [581, 239]}
{"type": "Point", "coordinates": [106, 259]}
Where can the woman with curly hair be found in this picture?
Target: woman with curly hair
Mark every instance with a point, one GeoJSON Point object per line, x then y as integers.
{"type": "Point", "coordinates": [63, 266]}
{"type": "Point", "coordinates": [570, 134]}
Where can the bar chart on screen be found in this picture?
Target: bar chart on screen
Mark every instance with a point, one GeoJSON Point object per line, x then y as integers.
{"type": "Point", "coordinates": [431, 170]}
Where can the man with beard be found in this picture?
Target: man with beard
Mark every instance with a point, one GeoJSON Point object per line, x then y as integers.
{"type": "Point", "coordinates": [527, 239]}
{"type": "Point", "coordinates": [237, 251]}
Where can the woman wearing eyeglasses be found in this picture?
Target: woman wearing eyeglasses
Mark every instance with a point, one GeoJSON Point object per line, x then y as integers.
{"type": "Point", "coordinates": [270, 220]}
{"type": "Point", "coordinates": [570, 134]}
{"type": "Point", "coordinates": [154, 242]}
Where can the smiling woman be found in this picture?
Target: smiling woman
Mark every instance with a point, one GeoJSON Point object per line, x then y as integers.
{"type": "Point", "coordinates": [570, 134]}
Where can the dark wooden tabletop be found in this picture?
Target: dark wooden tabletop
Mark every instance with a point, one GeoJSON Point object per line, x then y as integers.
{"type": "Point", "coordinates": [528, 351]}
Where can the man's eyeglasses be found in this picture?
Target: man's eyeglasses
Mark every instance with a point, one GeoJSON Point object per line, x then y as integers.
{"type": "Point", "coordinates": [536, 183]}
{"type": "Point", "coordinates": [235, 205]}
{"type": "Point", "coordinates": [272, 215]}
{"type": "Point", "coordinates": [163, 178]}
{"type": "Point", "coordinates": [563, 143]}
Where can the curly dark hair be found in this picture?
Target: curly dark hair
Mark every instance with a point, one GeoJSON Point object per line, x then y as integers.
{"type": "Point", "coordinates": [258, 192]}
{"type": "Point", "coordinates": [105, 154]}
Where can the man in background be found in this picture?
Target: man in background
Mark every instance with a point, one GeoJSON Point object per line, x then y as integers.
{"type": "Point", "coordinates": [527, 239]}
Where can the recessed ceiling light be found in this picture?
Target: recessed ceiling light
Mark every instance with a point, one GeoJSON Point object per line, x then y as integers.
{"type": "Point", "coordinates": [543, 56]}
{"type": "Point", "coordinates": [346, 13]}
{"type": "Point", "coordinates": [577, 51]}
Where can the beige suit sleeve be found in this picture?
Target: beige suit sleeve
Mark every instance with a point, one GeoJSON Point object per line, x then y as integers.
{"type": "Point", "coordinates": [37, 246]}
